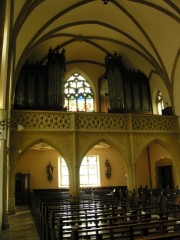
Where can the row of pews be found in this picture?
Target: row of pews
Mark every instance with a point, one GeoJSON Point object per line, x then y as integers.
{"type": "Point", "coordinates": [142, 214]}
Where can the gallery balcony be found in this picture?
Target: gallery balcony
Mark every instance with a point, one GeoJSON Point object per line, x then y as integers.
{"type": "Point", "coordinates": [93, 122]}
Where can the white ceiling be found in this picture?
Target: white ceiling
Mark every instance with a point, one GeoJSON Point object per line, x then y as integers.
{"type": "Point", "coordinates": [145, 32]}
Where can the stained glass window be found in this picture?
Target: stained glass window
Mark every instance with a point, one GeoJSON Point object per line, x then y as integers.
{"type": "Point", "coordinates": [78, 94]}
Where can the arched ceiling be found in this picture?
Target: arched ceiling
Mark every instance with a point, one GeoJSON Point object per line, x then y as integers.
{"type": "Point", "coordinates": [145, 32]}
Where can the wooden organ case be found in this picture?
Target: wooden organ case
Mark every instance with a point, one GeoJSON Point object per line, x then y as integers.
{"type": "Point", "coordinates": [123, 90]}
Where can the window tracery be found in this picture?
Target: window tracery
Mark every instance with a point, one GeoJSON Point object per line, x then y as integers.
{"type": "Point", "coordinates": [78, 94]}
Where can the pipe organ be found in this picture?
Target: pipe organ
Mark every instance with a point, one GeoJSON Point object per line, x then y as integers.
{"type": "Point", "coordinates": [41, 86]}
{"type": "Point", "coordinates": [126, 90]}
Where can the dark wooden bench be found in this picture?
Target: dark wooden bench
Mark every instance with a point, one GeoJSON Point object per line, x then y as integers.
{"type": "Point", "coordinates": [129, 231]}
{"type": "Point", "coordinates": [55, 214]}
{"type": "Point", "coordinates": [169, 235]}
{"type": "Point", "coordinates": [90, 219]}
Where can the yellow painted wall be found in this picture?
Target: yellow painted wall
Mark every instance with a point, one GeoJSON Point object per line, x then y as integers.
{"type": "Point", "coordinates": [36, 161]}
{"type": "Point", "coordinates": [142, 170]}
{"type": "Point", "coordinates": [157, 153]}
{"type": "Point", "coordinates": [118, 166]}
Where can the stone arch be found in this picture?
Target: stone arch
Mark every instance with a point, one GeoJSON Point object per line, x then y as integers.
{"type": "Point", "coordinates": [165, 145]}
{"type": "Point", "coordinates": [23, 151]}
{"type": "Point", "coordinates": [108, 141]}
{"type": "Point", "coordinates": [60, 142]}
{"type": "Point", "coordinates": [118, 147]}
{"type": "Point", "coordinates": [169, 148]}
{"type": "Point", "coordinates": [56, 148]}
{"type": "Point", "coordinates": [16, 156]}
{"type": "Point", "coordinates": [168, 142]}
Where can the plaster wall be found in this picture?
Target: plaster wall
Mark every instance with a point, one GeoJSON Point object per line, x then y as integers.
{"type": "Point", "coordinates": [142, 170]}
{"type": "Point", "coordinates": [35, 162]}
{"type": "Point", "coordinates": [158, 153]}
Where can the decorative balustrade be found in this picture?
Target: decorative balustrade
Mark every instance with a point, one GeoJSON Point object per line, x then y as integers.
{"type": "Point", "coordinates": [82, 121]}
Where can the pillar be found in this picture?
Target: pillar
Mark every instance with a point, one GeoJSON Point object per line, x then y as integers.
{"type": "Point", "coordinates": [4, 47]}
{"type": "Point", "coordinates": [74, 184]}
{"type": "Point", "coordinates": [75, 189]}
{"type": "Point", "coordinates": [5, 213]}
{"type": "Point", "coordinates": [132, 181]}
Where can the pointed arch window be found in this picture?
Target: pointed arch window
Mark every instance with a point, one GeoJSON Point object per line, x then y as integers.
{"type": "Point", "coordinates": [78, 94]}
{"type": "Point", "coordinates": [159, 103]}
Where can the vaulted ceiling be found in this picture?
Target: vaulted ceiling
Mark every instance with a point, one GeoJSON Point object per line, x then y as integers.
{"type": "Point", "coordinates": [145, 32]}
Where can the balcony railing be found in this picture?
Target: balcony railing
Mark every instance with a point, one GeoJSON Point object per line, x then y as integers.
{"type": "Point", "coordinates": [83, 121]}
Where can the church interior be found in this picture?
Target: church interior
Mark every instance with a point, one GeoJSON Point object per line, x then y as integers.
{"type": "Point", "coordinates": [89, 115]}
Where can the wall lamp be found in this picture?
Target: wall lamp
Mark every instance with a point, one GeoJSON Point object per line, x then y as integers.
{"type": "Point", "coordinates": [5, 124]}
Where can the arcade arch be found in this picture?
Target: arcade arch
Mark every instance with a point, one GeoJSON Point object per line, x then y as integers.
{"type": "Point", "coordinates": [154, 155]}
{"type": "Point", "coordinates": [74, 146]}
{"type": "Point", "coordinates": [35, 159]}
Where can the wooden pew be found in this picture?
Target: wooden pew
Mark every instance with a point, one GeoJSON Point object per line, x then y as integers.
{"type": "Point", "coordinates": [61, 203]}
{"type": "Point", "coordinates": [129, 231]}
{"type": "Point", "coordinates": [98, 219]}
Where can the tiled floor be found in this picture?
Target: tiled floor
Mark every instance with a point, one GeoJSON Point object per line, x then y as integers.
{"type": "Point", "coordinates": [21, 226]}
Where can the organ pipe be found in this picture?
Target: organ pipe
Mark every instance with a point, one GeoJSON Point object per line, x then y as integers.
{"type": "Point", "coordinates": [41, 86]}
{"type": "Point", "coordinates": [128, 90]}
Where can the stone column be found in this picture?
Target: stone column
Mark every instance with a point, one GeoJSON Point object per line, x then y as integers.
{"type": "Point", "coordinates": [5, 214]}
{"type": "Point", "coordinates": [2, 20]}
{"type": "Point", "coordinates": [149, 166]}
{"type": "Point", "coordinates": [12, 205]}
{"type": "Point", "coordinates": [74, 187]}
{"type": "Point", "coordinates": [75, 171]}
{"type": "Point", "coordinates": [133, 164]}
{"type": "Point", "coordinates": [4, 46]}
